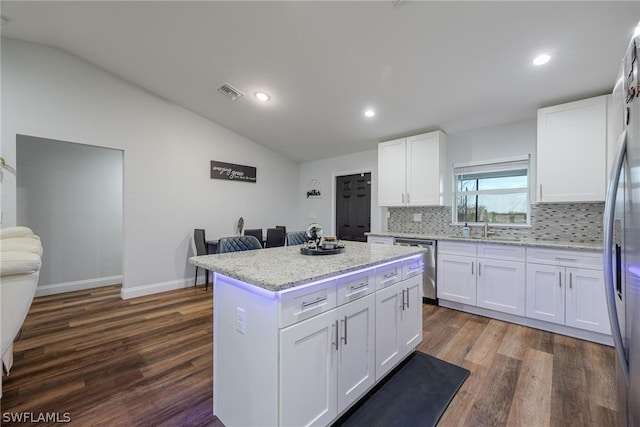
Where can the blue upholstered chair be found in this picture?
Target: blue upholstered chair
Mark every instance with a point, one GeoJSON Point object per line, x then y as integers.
{"type": "Point", "coordinates": [257, 232]}
{"type": "Point", "coordinates": [238, 244]}
{"type": "Point", "coordinates": [297, 238]}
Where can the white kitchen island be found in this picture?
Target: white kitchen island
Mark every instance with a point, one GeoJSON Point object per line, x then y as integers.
{"type": "Point", "coordinates": [299, 339]}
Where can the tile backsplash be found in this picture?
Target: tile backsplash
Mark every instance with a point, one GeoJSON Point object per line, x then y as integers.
{"type": "Point", "coordinates": [572, 222]}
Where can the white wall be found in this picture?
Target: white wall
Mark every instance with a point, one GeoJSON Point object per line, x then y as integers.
{"type": "Point", "coordinates": [167, 190]}
{"type": "Point", "coordinates": [72, 195]}
{"type": "Point", "coordinates": [496, 142]}
{"type": "Point", "coordinates": [323, 210]}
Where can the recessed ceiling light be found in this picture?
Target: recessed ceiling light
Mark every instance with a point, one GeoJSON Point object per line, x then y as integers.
{"type": "Point", "coordinates": [541, 59]}
{"type": "Point", "coordinates": [369, 113]}
{"type": "Point", "coordinates": [261, 96]}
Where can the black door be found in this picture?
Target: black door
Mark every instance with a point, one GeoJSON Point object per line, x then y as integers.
{"type": "Point", "coordinates": [353, 206]}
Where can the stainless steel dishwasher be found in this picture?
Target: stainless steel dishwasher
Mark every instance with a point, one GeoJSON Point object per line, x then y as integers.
{"type": "Point", "coordinates": [429, 294]}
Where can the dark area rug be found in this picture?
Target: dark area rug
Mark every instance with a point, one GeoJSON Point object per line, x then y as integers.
{"type": "Point", "coordinates": [415, 394]}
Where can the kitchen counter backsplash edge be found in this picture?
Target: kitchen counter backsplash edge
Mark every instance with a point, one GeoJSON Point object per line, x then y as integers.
{"type": "Point", "coordinates": [589, 246]}
{"type": "Point", "coordinates": [566, 225]}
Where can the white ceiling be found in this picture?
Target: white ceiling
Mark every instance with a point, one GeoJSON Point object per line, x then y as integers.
{"type": "Point", "coordinates": [422, 65]}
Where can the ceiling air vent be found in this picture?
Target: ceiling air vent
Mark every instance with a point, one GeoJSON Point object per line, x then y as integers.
{"type": "Point", "coordinates": [230, 91]}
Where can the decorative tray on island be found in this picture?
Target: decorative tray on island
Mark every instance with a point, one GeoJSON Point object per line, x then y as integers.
{"type": "Point", "coordinates": [320, 251]}
{"type": "Point", "coordinates": [318, 245]}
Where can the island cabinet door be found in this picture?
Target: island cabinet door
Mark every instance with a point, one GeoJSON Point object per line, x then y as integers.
{"type": "Point", "coordinates": [411, 313]}
{"type": "Point", "coordinates": [308, 371]}
{"type": "Point", "coordinates": [356, 350]}
{"type": "Point", "coordinates": [388, 339]}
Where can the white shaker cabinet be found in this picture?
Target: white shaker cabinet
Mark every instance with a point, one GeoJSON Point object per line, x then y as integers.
{"type": "Point", "coordinates": [558, 290]}
{"type": "Point", "coordinates": [457, 271]}
{"type": "Point", "coordinates": [585, 301]}
{"type": "Point", "coordinates": [356, 350]}
{"type": "Point", "coordinates": [398, 322]}
{"type": "Point", "coordinates": [304, 354]}
{"type": "Point", "coordinates": [392, 172]}
{"type": "Point", "coordinates": [412, 171]}
{"type": "Point", "coordinates": [484, 275]}
{"type": "Point", "coordinates": [309, 368]}
{"type": "Point", "coordinates": [457, 278]}
{"type": "Point", "coordinates": [334, 350]}
{"type": "Point", "coordinates": [572, 151]}
{"type": "Point", "coordinates": [567, 288]}
{"type": "Point", "coordinates": [545, 294]}
{"type": "Point", "coordinates": [500, 279]}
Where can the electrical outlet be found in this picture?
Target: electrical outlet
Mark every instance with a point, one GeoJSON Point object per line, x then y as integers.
{"type": "Point", "coordinates": [417, 217]}
{"type": "Point", "coordinates": [241, 320]}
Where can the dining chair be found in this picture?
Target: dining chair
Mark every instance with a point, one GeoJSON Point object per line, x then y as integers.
{"type": "Point", "coordinates": [275, 237]}
{"type": "Point", "coordinates": [238, 244]}
{"type": "Point", "coordinates": [200, 248]}
{"type": "Point", "coordinates": [297, 238]}
{"type": "Point", "coordinates": [257, 232]}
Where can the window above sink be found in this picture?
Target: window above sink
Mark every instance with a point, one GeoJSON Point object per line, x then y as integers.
{"type": "Point", "coordinates": [494, 192]}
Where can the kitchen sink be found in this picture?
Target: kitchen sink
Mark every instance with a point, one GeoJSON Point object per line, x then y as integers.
{"type": "Point", "coordinates": [491, 238]}
{"type": "Point", "coordinates": [503, 238]}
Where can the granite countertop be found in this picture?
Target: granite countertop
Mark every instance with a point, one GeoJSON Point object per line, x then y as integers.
{"type": "Point", "coordinates": [276, 269]}
{"type": "Point", "coordinates": [516, 241]}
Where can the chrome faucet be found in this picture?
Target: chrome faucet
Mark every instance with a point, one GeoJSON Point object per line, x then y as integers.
{"type": "Point", "coordinates": [486, 227]}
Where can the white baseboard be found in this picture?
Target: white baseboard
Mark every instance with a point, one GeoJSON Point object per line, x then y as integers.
{"type": "Point", "coordinates": [59, 288]}
{"type": "Point", "coordinates": [154, 288]}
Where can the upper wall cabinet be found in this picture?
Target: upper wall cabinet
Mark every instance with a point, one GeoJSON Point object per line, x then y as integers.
{"type": "Point", "coordinates": [412, 170]}
{"type": "Point", "coordinates": [572, 151]}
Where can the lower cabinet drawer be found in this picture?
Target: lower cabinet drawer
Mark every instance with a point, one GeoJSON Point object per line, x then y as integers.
{"type": "Point", "coordinates": [301, 304]}
{"type": "Point", "coordinates": [412, 267]}
{"type": "Point", "coordinates": [569, 258]}
{"type": "Point", "coordinates": [356, 286]}
{"type": "Point", "coordinates": [457, 248]}
{"type": "Point", "coordinates": [504, 252]}
{"type": "Point", "coordinates": [384, 240]}
{"type": "Point", "coordinates": [388, 275]}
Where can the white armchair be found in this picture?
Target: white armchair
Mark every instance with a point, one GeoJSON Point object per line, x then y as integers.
{"type": "Point", "coordinates": [20, 262]}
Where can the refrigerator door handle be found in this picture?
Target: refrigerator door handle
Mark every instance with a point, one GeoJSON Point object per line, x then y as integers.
{"type": "Point", "coordinates": [610, 291]}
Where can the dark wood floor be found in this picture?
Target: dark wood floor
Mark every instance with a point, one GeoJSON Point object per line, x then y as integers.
{"type": "Point", "coordinates": [147, 362]}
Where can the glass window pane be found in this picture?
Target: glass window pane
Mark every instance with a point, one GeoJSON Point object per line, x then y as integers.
{"type": "Point", "coordinates": [502, 183]}
{"type": "Point", "coordinates": [498, 208]}
{"type": "Point", "coordinates": [503, 208]}
{"type": "Point", "coordinates": [467, 185]}
{"type": "Point", "coordinates": [466, 208]}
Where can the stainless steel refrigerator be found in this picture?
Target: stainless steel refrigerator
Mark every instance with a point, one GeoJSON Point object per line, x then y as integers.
{"type": "Point", "coordinates": [622, 239]}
